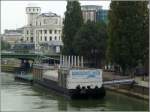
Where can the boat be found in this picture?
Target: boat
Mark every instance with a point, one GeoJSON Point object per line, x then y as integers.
{"type": "Point", "coordinates": [73, 82]}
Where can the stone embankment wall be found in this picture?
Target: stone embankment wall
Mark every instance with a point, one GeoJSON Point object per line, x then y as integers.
{"type": "Point", "coordinates": [6, 68]}
{"type": "Point", "coordinates": [135, 90]}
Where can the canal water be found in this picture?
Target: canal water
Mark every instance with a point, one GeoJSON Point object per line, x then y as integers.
{"type": "Point", "coordinates": [18, 96]}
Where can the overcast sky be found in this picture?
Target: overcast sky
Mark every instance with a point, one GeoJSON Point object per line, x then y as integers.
{"type": "Point", "coordinates": [13, 13]}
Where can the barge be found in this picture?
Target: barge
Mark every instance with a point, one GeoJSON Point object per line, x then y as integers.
{"type": "Point", "coordinates": [73, 82]}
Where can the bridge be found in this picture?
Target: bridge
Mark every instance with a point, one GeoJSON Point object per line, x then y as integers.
{"type": "Point", "coordinates": [29, 55]}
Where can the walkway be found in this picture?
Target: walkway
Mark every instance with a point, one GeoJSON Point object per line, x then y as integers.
{"type": "Point", "coordinates": [110, 76]}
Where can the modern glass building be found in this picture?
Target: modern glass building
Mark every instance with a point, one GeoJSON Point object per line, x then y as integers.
{"type": "Point", "coordinates": [102, 15]}
{"type": "Point", "coordinates": [94, 13]}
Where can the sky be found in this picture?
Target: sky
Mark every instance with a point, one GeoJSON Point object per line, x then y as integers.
{"type": "Point", "coordinates": [13, 13]}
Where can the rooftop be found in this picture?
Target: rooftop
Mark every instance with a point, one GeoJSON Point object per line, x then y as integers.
{"type": "Point", "coordinates": [91, 7]}
{"type": "Point", "coordinates": [50, 14]}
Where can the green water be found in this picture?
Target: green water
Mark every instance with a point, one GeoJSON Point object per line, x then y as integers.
{"type": "Point", "coordinates": [19, 96]}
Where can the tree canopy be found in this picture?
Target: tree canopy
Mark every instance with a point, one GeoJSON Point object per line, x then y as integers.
{"type": "Point", "coordinates": [90, 41]}
{"type": "Point", "coordinates": [5, 45]}
{"type": "Point", "coordinates": [128, 33]}
{"type": "Point", "coordinates": [72, 23]}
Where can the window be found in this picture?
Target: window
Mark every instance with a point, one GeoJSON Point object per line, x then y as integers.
{"type": "Point", "coordinates": [37, 9]}
{"type": "Point", "coordinates": [50, 38]}
{"type": "Point", "coordinates": [59, 37]}
{"type": "Point", "coordinates": [45, 31]}
{"type": "Point", "coordinates": [31, 39]}
{"type": "Point", "coordinates": [40, 23]}
{"type": "Point", "coordinates": [45, 38]}
{"type": "Point", "coordinates": [27, 32]}
{"type": "Point", "coordinates": [41, 31]}
{"type": "Point", "coordinates": [33, 9]}
{"type": "Point", "coordinates": [55, 38]}
{"type": "Point", "coordinates": [41, 38]}
{"type": "Point", "coordinates": [55, 31]}
{"type": "Point", "coordinates": [50, 31]}
{"type": "Point", "coordinates": [27, 38]}
{"type": "Point", "coordinates": [36, 23]}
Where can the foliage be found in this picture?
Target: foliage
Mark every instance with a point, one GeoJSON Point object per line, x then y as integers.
{"type": "Point", "coordinates": [5, 45]}
{"type": "Point", "coordinates": [72, 22]}
{"type": "Point", "coordinates": [128, 33]}
{"type": "Point", "coordinates": [90, 41]}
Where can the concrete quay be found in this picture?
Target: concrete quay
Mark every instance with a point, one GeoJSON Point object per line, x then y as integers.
{"type": "Point", "coordinates": [140, 89]}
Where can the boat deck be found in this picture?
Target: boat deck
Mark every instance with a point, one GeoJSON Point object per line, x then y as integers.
{"type": "Point", "coordinates": [51, 74]}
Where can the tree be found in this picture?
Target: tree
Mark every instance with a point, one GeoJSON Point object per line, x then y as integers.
{"type": "Point", "coordinates": [128, 33]}
{"type": "Point", "coordinates": [72, 22]}
{"type": "Point", "coordinates": [5, 45]}
{"type": "Point", "coordinates": [90, 42]}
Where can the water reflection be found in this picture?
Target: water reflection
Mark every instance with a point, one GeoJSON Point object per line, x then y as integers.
{"type": "Point", "coordinates": [18, 96]}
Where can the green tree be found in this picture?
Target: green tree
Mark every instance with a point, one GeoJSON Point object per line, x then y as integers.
{"type": "Point", "coordinates": [128, 33]}
{"type": "Point", "coordinates": [90, 42]}
{"type": "Point", "coordinates": [72, 22]}
{"type": "Point", "coordinates": [5, 45]}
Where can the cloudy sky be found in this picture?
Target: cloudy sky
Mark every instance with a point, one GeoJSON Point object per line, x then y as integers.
{"type": "Point", "coordinates": [13, 13]}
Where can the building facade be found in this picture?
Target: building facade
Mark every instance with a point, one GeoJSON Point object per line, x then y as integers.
{"type": "Point", "coordinates": [94, 13]}
{"type": "Point", "coordinates": [102, 15]}
{"type": "Point", "coordinates": [13, 36]}
{"type": "Point", "coordinates": [42, 32]}
{"type": "Point", "coordinates": [43, 29]}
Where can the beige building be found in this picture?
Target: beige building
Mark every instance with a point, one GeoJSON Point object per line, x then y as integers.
{"type": "Point", "coordinates": [43, 31]}
{"type": "Point", "coordinates": [43, 28]}
{"type": "Point", "coordinates": [13, 36]}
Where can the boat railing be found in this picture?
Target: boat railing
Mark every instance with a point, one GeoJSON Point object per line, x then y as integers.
{"type": "Point", "coordinates": [71, 62]}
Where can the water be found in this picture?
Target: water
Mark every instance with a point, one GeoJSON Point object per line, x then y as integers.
{"type": "Point", "coordinates": [19, 96]}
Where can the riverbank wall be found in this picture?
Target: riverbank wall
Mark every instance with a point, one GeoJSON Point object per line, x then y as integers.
{"type": "Point", "coordinates": [9, 68]}
{"type": "Point", "coordinates": [135, 90]}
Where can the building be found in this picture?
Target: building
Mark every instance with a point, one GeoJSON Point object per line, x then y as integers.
{"type": "Point", "coordinates": [13, 36]}
{"type": "Point", "coordinates": [89, 12]}
{"type": "Point", "coordinates": [42, 32]}
{"type": "Point", "coordinates": [43, 29]}
{"type": "Point", "coordinates": [94, 13]}
{"type": "Point", "coordinates": [102, 15]}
